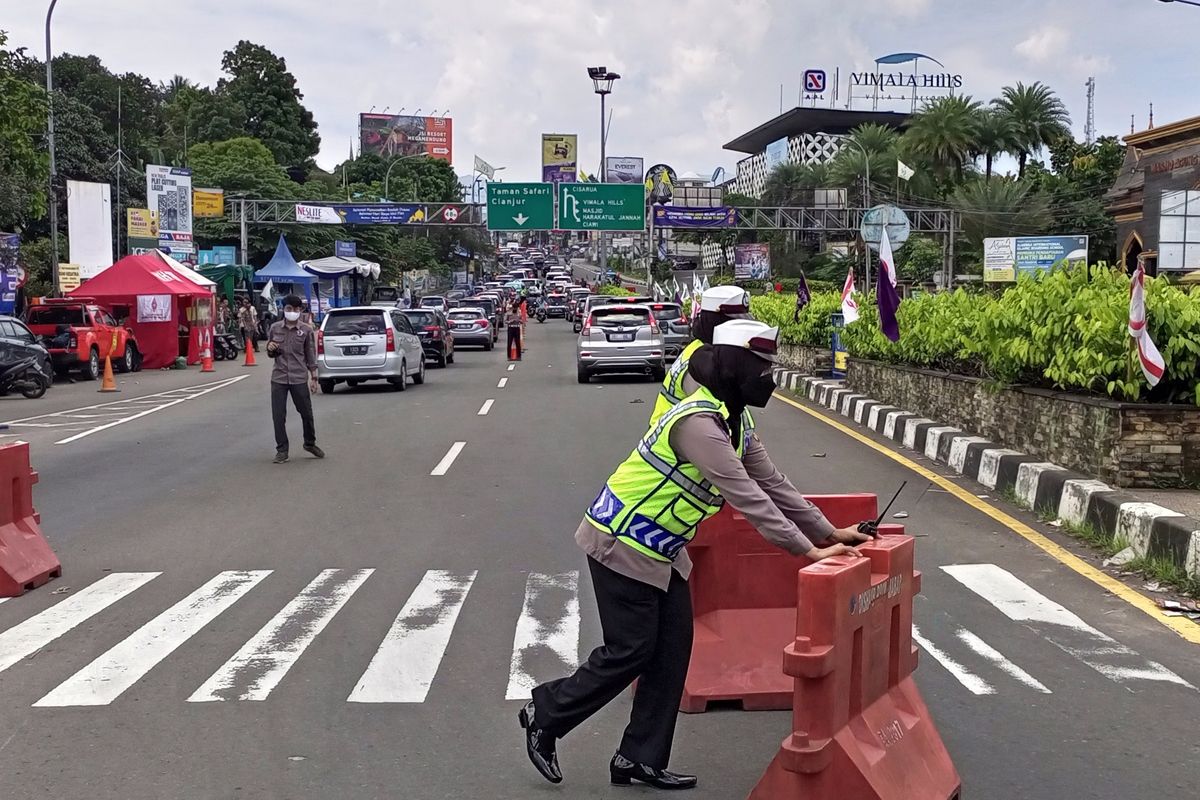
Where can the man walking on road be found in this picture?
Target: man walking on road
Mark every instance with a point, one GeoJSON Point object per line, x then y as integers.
{"type": "Point", "coordinates": [293, 346]}
{"type": "Point", "coordinates": [248, 324]}
{"type": "Point", "coordinates": [699, 455]}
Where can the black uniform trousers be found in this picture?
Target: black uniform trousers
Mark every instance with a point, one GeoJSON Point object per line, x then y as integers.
{"type": "Point", "coordinates": [302, 399]}
{"type": "Point", "coordinates": [514, 340]}
{"type": "Point", "coordinates": [648, 637]}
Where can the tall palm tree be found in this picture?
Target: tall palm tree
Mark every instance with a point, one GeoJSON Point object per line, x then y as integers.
{"type": "Point", "coordinates": [1038, 116]}
{"type": "Point", "coordinates": [995, 134]}
{"type": "Point", "coordinates": [176, 85]}
{"type": "Point", "coordinates": [1002, 207]}
{"type": "Point", "coordinates": [944, 133]}
{"type": "Point", "coordinates": [791, 184]}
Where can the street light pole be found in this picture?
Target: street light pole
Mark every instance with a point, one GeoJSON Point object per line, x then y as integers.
{"type": "Point", "coordinates": [1185, 2]}
{"type": "Point", "coordinates": [602, 83]}
{"type": "Point", "coordinates": [50, 147]}
{"type": "Point", "coordinates": [388, 174]}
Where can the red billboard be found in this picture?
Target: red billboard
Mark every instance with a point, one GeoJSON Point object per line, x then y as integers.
{"type": "Point", "coordinates": [391, 135]}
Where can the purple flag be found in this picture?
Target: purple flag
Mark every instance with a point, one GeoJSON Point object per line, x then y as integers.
{"type": "Point", "coordinates": [885, 290]}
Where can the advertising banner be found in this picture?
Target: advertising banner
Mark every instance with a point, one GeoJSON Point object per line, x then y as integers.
{"type": "Point", "coordinates": [169, 195]}
{"type": "Point", "coordinates": [153, 307]}
{"type": "Point", "coordinates": [208, 203]}
{"type": "Point", "coordinates": [390, 135]}
{"type": "Point", "coordinates": [345, 249]}
{"type": "Point", "coordinates": [224, 254]}
{"type": "Point", "coordinates": [776, 154]}
{"type": "Point", "coordinates": [141, 223]}
{"type": "Point", "coordinates": [623, 169]}
{"type": "Point", "coordinates": [11, 273]}
{"type": "Point", "coordinates": [560, 157]}
{"type": "Point", "coordinates": [89, 226]}
{"type": "Point", "coordinates": [751, 262]}
{"type": "Point", "coordinates": [374, 214]}
{"type": "Point", "coordinates": [1004, 258]}
{"type": "Point", "coordinates": [684, 217]}
{"type": "Point", "coordinates": [68, 277]}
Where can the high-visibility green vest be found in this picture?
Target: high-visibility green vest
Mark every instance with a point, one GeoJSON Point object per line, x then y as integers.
{"type": "Point", "coordinates": [655, 501]}
{"type": "Point", "coordinates": [672, 389]}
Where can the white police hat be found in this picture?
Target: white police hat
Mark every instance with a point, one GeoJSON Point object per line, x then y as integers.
{"type": "Point", "coordinates": [725, 300]}
{"type": "Point", "coordinates": [757, 337]}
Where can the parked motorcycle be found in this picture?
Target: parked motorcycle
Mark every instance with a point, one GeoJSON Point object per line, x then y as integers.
{"type": "Point", "coordinates": [26, 376]}
{"type": "Point", "coordinates": [225, 347]}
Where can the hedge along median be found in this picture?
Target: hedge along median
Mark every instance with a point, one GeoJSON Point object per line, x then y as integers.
{"type": "Point", "coordinates": [1048, 368]}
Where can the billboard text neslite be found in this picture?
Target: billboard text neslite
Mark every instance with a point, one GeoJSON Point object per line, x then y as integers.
{"type": "Point", "coordinates": [391, 135]}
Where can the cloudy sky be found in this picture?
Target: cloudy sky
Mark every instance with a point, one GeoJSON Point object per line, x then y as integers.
{"type": "Point", "coordinates": [697, 73]}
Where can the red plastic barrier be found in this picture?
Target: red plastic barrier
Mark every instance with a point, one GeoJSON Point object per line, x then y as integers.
{"type": "Point", "coordinates": [26, 561]}
{"type": "Point", "coordinates": [744, 604]}
{"type": "Point", "coordinates": [860, 727]}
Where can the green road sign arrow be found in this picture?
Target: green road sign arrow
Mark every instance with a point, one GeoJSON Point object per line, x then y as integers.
{"type": "Point", "coordinates": [520, 206]}
{"type": "Point", "coordinates": [601, 207]}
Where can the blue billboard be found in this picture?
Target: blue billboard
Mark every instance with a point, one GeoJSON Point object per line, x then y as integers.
{"type": "Point", "coordinates": [685, 217]}
{"type": "Point", "coordinates": [1004, 258]}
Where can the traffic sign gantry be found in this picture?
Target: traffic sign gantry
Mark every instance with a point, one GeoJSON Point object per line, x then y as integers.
{"type": "Point", "coordinates": [520, 206]}
{"type": "Point", "coordinates": [601, 207]}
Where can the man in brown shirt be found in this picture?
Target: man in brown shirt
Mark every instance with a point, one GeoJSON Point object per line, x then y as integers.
{"type": "Point", "coordinates": [293, 346]}
{"type": "Point", "coordinates": [639, 566]}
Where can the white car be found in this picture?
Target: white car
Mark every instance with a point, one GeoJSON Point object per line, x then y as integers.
{"type": "Point", "coordinates": [368, 343]}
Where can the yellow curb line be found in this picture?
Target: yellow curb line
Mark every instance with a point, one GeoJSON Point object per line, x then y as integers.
{"type": "Point", "coordinates": [1181, 625]}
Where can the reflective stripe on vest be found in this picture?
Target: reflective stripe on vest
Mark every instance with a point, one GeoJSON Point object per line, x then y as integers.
{"type": "Point", "coordinates": [672, 387]}
{"type": "Point", "coordinates": [654, 502]}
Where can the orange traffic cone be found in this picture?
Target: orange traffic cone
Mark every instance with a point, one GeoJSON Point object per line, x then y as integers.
{"type": "Point", "coordinates": [108, 384]}
{"type": "Point", "coordinates": [249, 353]}
{"type": "Point", "coordinates": [513, 353]}
{"type": "Point", "coordinates": [206, 362]}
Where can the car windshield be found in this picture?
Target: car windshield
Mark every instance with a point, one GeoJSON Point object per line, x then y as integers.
{"type": "Point", "coordinates": [57, 315]}
{"type": "Point", "coordinates": [388, 294]}
{"type": "Point", "coordinates": [666, 313]}
{"type": "Point", "coordinates": [620, 317]}
{"type": "Point", "coordinates": [556, 300]}
{"type": "Point", "coordinates": [431, 301]}
{"type": "Point", "coordinates": [421, 317]}
{"type": "Point", "coordinates": [348, 323]}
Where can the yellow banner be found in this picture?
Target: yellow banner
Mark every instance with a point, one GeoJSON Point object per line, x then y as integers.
{"type": "Point", "coordinates": [141, 223]}
{"type": "Point", "coordinates": [208, 203]}
{"type": "Point", "coordinates": [68, 277]}
{"type": "Point", "coordinates": [559, 149]}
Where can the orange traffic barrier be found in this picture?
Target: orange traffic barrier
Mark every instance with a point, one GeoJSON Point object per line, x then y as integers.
{"type": "Point", "coordinates": [744, 606]}
{"type": "Point", "coordinates": [109, 384]}
{"type": "Point", "coordinates": [26, 560]}
{"type": "Point", "coordinates": [860, 728]}
{"type": "Point", "coordinates": [249, 353]}
{"type": "Point", "coordinates": [206, 362]}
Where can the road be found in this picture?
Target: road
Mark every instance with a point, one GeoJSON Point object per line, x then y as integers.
{"type": "Point", "coordinates": [361, 627]}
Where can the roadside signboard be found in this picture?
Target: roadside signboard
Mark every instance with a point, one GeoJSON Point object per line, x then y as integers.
{"type": "Point", "coordinates": [520, 206]}
{"type": "Point", "coordinates": [1005, 258]}
{"type": "Point", "coordinates": [601, 207]}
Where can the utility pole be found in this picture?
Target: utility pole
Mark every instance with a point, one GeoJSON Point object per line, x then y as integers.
{"type": "Point", "coordinates": [50, 147]}
{"type": "Point", "coordinates": [1089, 131]}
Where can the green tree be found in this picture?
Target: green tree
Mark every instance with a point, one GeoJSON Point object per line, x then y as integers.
{"type": "Point", "coordinates": [1075, 188]}
{"type": "Point", "coordinates": [260, 83]}
{"type": "Point", "coordinates": [24, 167]}
{"type": "Point", "coordinates": [945, 133]}
{"type": "Point", "coordinates": [1038, 117]}
{"type": "Point", "coordinates": [995, 134]}
{"type": "Point", "coordinates": [1000, 207]}
{"type": "Point", "coordinates": [919, 259]}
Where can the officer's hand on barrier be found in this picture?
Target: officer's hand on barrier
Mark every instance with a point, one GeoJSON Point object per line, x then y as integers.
{"type": "Point", "coordinates": [822, 553]}
{"type": "Point", "coordinates": [851, 535]}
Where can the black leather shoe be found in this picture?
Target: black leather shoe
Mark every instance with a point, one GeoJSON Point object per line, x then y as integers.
{"type": "Point", "coordinates": [622, 772]}
{"type": "Point", "coordinates": [539, 745]}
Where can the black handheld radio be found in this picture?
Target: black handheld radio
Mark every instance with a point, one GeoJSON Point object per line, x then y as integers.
{"type": "Point", "coordinates": [871, 527]}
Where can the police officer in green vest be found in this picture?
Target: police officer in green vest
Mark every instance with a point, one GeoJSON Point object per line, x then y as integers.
{"type": "Point", "coordinates": [696, 457]}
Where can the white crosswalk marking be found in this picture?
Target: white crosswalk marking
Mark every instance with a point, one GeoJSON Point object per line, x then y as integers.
{"type": "Point", "coordinates": [548, 626]}
{"type": "Point", "coordinates": [106, 678]}
{"type": "Point", "coordinates": [39, 630]}
{"type": "Point", "coordinates": [1059, 626]}
{"type": "Point", "coordinates": [404, 666]}
{"type": "Point", "coordinates": [974, 683]}
{"type": "Point", "coordinates": [262, 662]}
{"type": "Point", "coordinates": [993, 655]}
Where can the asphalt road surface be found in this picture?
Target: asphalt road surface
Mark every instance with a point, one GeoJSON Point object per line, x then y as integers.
{"type": "Point", "coordinates": [367, 626]}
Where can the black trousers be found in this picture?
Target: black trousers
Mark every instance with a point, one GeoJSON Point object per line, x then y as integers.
{"type": "Point", "coordinates": [514, 335]}
{"type": "Point", "coordinates": [302, 399]}
{"type": "Point", "coordinates": [648, 637]}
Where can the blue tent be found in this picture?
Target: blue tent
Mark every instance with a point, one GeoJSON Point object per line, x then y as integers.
{"type": "Point", "coordinates": [282, 268]}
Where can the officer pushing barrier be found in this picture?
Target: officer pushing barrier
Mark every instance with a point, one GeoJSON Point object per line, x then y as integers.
{"type": "Point", "coordinates": [26, 560]}
{"type": "Point", "coordinates": [860, 729]}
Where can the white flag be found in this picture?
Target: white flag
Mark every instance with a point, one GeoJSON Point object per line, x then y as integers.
{"type": "Point", "coordinates": [484, 168]}
{"type": "Point", "coordinates": [1153, 365]}
{"type": "Point", "coordinates": [887, 262]}
{"type": "Point", "coordinates": [268, 291]}
{"type": "Point", "coordinates": [849, 306]}
{"type": "Point", "coordinates": [904, 171]}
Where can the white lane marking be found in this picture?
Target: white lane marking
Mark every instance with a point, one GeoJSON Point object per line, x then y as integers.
{"type": "Point", "coordinates": [106, 678]}
{"type": "Point", "coordinates": [443, 466]}
{"type": "Point", "coordinates": [993, 655]}
{"type": "Point", "coordinates": [548, 625]}
{"type": "Point", "coordinates": [486, 407]}
{"type": "Point", "coordinates": [39, 630]}
{"type": "Point", "coordinates": [3, 600]}
{"type": "Point", "coordinates": [210, 388]}
{"type": "Point", "coordinates": [263, 661]}
{"type": "Point", "coordinates": [511, 367]}
{"type": "Point", "coordinates": [974, 683]}
{"type": "Point", "coordinates": [1059, 626]}
{"type": "Point", "coordinates": [169, 394]}
{"type": "Point", "coordinates": [503, 382]}
{"type": "Point", "coordinates": [407, 661]}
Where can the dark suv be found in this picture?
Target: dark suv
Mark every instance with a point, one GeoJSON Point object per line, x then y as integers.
{"type": "Point", "coordinates": [434, 331]}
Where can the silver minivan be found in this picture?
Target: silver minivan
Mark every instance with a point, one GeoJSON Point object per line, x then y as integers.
{"type": "Point", "coordinates": [368, 343]}
{"type": "Point", "coordinates": [620, 337]}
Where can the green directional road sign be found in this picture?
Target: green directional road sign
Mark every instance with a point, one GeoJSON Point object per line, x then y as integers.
{"type": "Point", "coordinates": [520, 206]}
{"type": "Point", "coordinates": [601, 207]}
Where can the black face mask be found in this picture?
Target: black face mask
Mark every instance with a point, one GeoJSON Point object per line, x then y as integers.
{"type": "Point", "coordinates": [757, 391]}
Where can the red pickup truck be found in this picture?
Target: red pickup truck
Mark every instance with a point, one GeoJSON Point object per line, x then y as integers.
{"type": "Point", "coordinates": [79, 333]}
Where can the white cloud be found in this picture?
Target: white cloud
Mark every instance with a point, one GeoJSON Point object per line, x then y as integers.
{"type": "Point", "coordinates": [1044, 45]}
